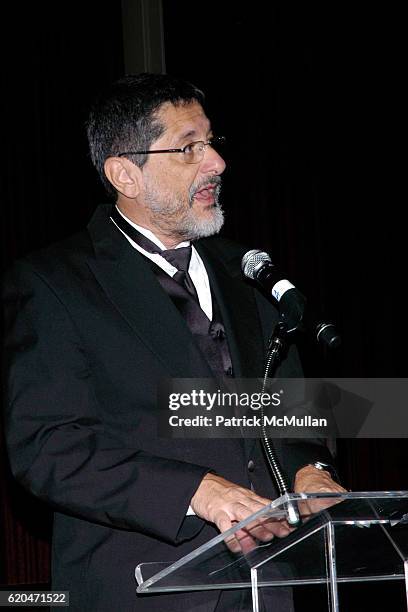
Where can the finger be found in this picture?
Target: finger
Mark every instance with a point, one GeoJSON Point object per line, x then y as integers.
{"type": "Point", "coordinates": [232, 542]}
{"type": "Point", "coordinates": [267, 529]}
{"type": "Point", "coordinates": [246, 541]}
{"type": "Point", "coordinates": [243, 538]}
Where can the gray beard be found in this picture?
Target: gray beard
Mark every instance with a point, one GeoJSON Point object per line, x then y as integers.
{"type": "Point", "coordinates": [172, 217]}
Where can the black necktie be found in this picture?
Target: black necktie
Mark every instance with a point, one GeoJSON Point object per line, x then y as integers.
{"type": "Point", "coordinates": [179, 258]}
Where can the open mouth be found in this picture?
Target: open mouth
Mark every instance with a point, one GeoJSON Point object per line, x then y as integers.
{"type": "Point", "coordinates": [206, 194]}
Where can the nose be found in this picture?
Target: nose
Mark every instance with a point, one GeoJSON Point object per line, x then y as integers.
{"type": "Point", "coordinates": [212, 162]}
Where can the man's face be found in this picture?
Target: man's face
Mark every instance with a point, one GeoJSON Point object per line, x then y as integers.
{"type": "Point", "coordinates": [182, 198]}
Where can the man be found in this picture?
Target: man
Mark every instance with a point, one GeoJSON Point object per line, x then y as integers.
{"type": "Point", "coordinates": [97, 322]}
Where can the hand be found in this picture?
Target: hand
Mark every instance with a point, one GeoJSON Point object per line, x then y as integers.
{"type": "Point", "coordinates": [224, 503]}
{"type": "Point", "coordinates": [312, 480]}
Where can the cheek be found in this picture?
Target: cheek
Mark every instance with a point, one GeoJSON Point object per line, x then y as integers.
{"type": "Point", "coordinates": [182, 182]}
{"type": "Point", "coordinates": [173, 179]}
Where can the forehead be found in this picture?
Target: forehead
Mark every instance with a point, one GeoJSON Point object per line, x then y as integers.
{"type": "Point", "coordinates": [187, 119]}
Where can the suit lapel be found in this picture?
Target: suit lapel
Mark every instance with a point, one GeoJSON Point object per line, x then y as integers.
{"type": "Point", "coordinates": [130, 284]}
{"type": "Point", "coordinates": [238, 308]}
{"type": "Point", "coordinates": [240, 315]}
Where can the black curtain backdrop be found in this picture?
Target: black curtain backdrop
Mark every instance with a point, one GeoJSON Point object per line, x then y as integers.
{"type": "Point", "coordinates": [304, 96]}
{"type": "Point", "coordinates": [55, 58]}
{"type": "Point", "coordinates": [308, 98]}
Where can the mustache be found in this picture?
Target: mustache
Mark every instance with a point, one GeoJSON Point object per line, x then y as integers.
{"type": "Point", "coordinates": [211, 180]}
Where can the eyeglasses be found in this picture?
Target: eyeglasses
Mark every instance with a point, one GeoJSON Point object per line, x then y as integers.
{"type": "Point", "coordinates": [193, 152]}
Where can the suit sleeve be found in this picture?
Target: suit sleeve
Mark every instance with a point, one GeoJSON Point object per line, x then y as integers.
{"type": "Point", "coordinates": [58, 447]}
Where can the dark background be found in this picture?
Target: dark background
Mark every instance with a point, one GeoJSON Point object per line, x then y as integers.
{"type": "Point", "coordinates": [309, 99]}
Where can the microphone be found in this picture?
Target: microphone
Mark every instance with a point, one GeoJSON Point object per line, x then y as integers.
{"type": "Point", "coordinates": [258, 266]}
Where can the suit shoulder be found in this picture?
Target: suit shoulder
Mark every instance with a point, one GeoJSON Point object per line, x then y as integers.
{"type": "Point", "coordinates": [58, 257]}
{"type": "Point", "coordinates": [225, 246]}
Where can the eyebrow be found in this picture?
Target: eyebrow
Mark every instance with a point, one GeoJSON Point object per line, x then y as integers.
{"type": "Point", "coordinates": [191, 134]}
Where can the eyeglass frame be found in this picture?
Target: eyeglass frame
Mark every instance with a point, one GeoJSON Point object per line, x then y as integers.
{"type": "Point", "coordinates": [218, 139]}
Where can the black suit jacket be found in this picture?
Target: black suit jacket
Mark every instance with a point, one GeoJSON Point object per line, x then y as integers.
{"type": "Point", "coordinates": [90, 334]}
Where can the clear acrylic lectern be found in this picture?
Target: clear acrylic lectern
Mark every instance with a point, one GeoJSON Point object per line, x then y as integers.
{"type": "Point", "coordinates": [351, 537]}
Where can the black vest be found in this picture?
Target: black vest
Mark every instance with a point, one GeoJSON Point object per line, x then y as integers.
{"type": "Point", "coordinates": [208, 335]}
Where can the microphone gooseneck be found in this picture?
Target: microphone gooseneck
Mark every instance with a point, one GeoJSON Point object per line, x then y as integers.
{"type": "Point", "coordinates": [257, 266]}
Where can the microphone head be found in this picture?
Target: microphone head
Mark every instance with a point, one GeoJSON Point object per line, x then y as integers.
{"type": "Point", "coordinates": [251, 261]}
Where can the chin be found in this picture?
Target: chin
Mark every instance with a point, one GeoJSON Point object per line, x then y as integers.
{"type": "Point", "coordinates": [206, 225]}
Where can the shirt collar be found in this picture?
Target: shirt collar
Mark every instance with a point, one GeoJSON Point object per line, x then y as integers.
{"type": "Point", "coordinates": [149, 234]}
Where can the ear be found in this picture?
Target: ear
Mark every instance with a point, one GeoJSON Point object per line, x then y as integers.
{"type": "Point", "coordinates": [125, 176]}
